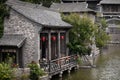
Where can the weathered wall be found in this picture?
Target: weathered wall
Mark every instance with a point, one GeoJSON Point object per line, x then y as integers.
{"type": "Point", "coordinates": [18, 24]}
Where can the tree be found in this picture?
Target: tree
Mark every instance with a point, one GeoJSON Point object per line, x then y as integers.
{"type": "Point", "coordinates": [3, 13]}
{"type": "Point", "coordinates": [81, 34]}
{"type": "Point", "coordinates": [101, 36]}
{"type": "Point", "coordinates": [46, 3]}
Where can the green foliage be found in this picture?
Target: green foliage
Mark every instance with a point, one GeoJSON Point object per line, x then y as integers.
{"type": "Point", "coordinates": [3, 13]}
{"type": "Point", "coordinates": [46, 3]}
{"type": "Point", "coordinates": [101, 36]}
{"type": "Point", "coordinates": [35, 71]}
{"type": "Point", "coordinates": [81, 34]}
{"type": "Point", "coordinates": [24, 77]}
{"type": "Point", "coordinates": [79, 60]}
{"type": "Point", "coordinates": [6, 72]}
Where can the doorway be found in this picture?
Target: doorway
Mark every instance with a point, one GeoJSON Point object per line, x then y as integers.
{"type": "Point", "coordinates": [44, 46]}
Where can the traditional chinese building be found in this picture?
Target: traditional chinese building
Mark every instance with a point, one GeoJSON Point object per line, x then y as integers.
{"type": "Point", "coordinates": [33, 33]}
{"type": "Point", "coordinates": [80, 8]}
{"type": "Point", "coordinates": [110, 10]}
{"type": "Point", "coordinates": [92, 4]}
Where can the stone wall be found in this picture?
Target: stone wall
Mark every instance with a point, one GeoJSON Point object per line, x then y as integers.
{"type": "Point", "coordinates": [19, 24]}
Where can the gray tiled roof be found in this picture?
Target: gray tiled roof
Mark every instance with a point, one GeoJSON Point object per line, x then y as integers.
{"type": "Point", "coordinates": [110, 2]}
{"type": "Point", "coordinates": [71, 7]}
{"type": "Point", "coordinates": [39, 14]}
{"type": "Point", "coordinates": [12, 40]}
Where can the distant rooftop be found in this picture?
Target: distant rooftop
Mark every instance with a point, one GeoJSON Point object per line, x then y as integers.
{"type": "Point", "coordinates": [38, 13]}
{"type": "Point", "coordinates": [71, 7]}
{"type": "Point", "coordinates": [110, 2]}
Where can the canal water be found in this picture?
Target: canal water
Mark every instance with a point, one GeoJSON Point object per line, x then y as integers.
{"type": "Point", "coordinates": [107, 67]}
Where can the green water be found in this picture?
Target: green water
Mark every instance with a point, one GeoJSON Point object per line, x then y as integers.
{"type": "Point", "coordinates": [108, 67]}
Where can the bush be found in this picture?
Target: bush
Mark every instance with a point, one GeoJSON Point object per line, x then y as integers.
{"type": "Point", "coordinates": [35, 71]}
{"type": "Point", "coordinates": [5, 72]}
{"type": "Point", "coordinates": [24, 77]}
{"type": "Point", "coordinates": [79, 60]}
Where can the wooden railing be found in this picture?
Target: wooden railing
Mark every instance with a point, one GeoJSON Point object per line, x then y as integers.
{"type": "Point", "coordinates": [61, 64]}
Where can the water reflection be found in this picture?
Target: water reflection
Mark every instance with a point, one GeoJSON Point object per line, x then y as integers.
{"type": "Point", "coordinates": [108, 67]}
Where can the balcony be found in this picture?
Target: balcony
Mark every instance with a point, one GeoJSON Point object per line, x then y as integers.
{"type": "Point", "coordinates": [59, 65]}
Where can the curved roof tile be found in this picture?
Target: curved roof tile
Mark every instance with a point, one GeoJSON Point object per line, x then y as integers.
{"type": "Point", "coordinates": [71, 7]}
{"type": "Point", "coordinates": [39, 14]}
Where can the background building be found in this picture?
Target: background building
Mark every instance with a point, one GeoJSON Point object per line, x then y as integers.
{"type": "Point", "coordinates": [110, 10]}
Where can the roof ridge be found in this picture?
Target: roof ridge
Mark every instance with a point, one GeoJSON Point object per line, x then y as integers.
{"type": "Point", "coordinates": [28, 5]}
{"type": "Point", "coordinates": [71, 7]}
{"type": "Point", "coordinates": [71, 3]}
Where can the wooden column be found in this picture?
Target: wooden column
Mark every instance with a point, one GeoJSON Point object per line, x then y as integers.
{"type": "Point", "coordinates": [17, 55]}
{"type": "Point", "coordinates": [49, 44]}
{"type": "Point", "coordinates": [0, 56]}
{"type": "Point", "coordinates": [59, 54]}
{"type": "Point", "coordinates": [67, 41]}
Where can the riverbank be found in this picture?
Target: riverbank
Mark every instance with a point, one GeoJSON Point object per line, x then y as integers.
{"type": "Point", "coordinates": [107, 67]}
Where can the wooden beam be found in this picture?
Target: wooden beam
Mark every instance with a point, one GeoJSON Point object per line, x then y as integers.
{"type": "Point", "coordinates": [17, 55]}
{"type": "Point", "coordinates": [67, 41]}
{"type": "Point", "coordinates": [59, 54]}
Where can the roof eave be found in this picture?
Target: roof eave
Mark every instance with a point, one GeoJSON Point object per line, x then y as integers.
{"type": "Point", "coordinates": [9, 46]}
{"type": "Point", "coordinates": [109, 3]}
{"type": "Point", "coordinates": [55, 26]}
{"type": "Point", "coordinates": [21, 43]}
{"type": "Point", "coordinates": [78, 12]}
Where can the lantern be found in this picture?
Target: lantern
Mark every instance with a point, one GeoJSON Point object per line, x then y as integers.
{"type": "Point", "coordinates": [43, 38]}
{"type": "Point", "coordinates": [62, 37]}
{"type": "Point", "coordinates": [53, 38]}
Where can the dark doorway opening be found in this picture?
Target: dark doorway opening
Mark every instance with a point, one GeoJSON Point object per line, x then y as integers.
{"type": "Point", "coordinates": [44, 45]}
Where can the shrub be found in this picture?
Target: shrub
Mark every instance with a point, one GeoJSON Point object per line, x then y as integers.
{"type": "Point", "coordinates": [5, 72]}
{"type": "Point", "coordinates": [24, 77]}
{"type": "Point", "coordinates": [79, 60]}
{"type": "Point", "coordinates": [35, 71]}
